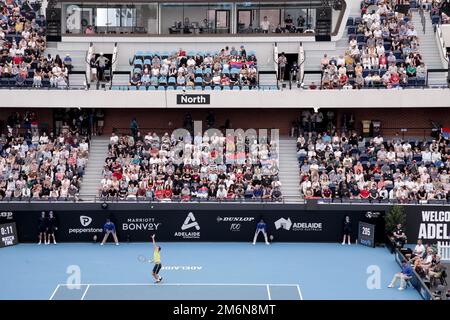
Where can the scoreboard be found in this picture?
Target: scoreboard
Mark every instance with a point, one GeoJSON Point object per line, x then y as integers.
{"type": "Point", "coordinates": [366, 234]}
{"type": "Point", "coordinates": [8, 234]}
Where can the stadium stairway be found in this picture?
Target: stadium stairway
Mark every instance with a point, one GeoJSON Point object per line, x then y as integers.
{"type": "Point", "coordinates": [94, 168]}
{"type": "Point", "coordinates": [313, 57]}
{"type": "Point", "coordinates": [77, 80]}
{"type": "Point", "coordinates": [78, 56]}
{"type": "Point", "coordinates": [429, 49]}
{"type": "Point", "coordinates": [121, 80]}
{"type": "Point", "coordinates": [289, 172]}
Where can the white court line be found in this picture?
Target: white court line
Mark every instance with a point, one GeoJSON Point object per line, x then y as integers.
{"type": "Point", "coordinates": [54, 292]}
{"type": "Point", "coordinates": [84, 294]}
{"type": "Point", "coordinates": [268, 292]}
{"type": "Point", "coordinates": [299, 292]}
{"type": "Point", "coordinates": [187, 284]}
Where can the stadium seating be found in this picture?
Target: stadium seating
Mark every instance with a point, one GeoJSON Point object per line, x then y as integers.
{"type": "Point", "coordinates": [229, 67]}
{"type": "Point", "coordinates": [381, 38]}
{"type": "Point", "coordinates": [25, 41]}
{"type": "Point", "coordinates": [356, 168]}
{"type": "Point", "coordinates": [37, 166]}
{"type": "Point", "coordinates": [148, 168]}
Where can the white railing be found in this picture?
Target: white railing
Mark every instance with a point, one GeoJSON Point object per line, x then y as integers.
{"type": "Point", "coordinates": [444, 250]}
{"type": "Point", "coordinates": [441, 43]}
{"type": "Point", "coordinates": [114, 58]}
{"type": "Point", "coordinates": [89, 55]}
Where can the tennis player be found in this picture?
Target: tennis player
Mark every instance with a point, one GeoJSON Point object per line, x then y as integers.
{"type": "Point", "coordinates": [156, 261]}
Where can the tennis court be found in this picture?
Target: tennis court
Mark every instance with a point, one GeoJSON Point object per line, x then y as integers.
{"type": "Point", "coordinates": [197, 271]}
{"type": "Point", "coordinates": [177, 291]}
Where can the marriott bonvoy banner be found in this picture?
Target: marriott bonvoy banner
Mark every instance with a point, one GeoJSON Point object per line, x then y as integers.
{"type": "Point", "coordinates": [432, 224]}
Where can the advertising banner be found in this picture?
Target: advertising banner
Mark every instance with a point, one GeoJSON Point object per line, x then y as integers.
{"type": "Point", "coordinates": [194, 225]}
{"type": "Point", "coordinates": [429, 223]}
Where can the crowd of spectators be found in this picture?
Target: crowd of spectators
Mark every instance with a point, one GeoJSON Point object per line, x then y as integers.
{"type": "Point", "coordinates": [383, 52]}
{"type": "Point", "coordinates": [22, 41]}
{"type": "Point", "coordinates": [336, 166]}
{"type": "Point", "coordinates": [427, 263]}
{"type": "Point", "coordinates": [35, 164]}
{"type": "Point", "coordinates": [439, 10]}
{"type": "Point", "coordinates": [229, 68]}
{"type": "Point", "coordinates": [152, 167]}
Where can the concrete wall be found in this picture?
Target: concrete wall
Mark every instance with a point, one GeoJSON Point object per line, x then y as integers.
{"type": "Point", "coordinates": [383, 98]}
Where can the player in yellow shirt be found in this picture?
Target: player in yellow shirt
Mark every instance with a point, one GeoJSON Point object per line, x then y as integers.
{"type": "Point", "coordinates": [156, 261]}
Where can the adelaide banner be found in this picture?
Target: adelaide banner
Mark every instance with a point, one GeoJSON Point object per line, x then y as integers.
{"type": "Point", "coordinates": [429, 223]}
{"type": "Point", "coordinates": [197, 225]}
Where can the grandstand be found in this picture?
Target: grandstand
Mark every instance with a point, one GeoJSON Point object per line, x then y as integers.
{"type": "Point", "coordinates": [201, 121]}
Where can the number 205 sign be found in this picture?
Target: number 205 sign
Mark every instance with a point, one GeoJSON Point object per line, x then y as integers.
{"type": "Point", "coordinates": [366, 234]}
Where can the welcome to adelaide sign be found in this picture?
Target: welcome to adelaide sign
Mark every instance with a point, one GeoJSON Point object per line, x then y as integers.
{"type": "Point", "coordinates": [430, 223]}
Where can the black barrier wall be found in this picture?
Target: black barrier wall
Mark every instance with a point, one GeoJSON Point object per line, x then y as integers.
{"type": "Point", "coordinates": [310, 222]}
{"type": "Point", "coordinates": [194, 225]}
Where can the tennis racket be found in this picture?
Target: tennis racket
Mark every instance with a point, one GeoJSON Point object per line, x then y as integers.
{"type": "Point", "coordinates": [144, 259]}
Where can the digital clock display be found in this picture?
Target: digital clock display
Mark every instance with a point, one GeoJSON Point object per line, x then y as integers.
{"type": "Point", "coordinates": [8, 234]}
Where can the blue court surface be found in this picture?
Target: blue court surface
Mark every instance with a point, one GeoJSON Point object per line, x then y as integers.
{"type": "Point", "coordinates": [199, 271]}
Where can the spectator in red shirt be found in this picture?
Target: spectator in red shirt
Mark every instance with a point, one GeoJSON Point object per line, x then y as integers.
{"type": "Point", "coordinates": [382, 62]}
{"type": "Point", "coordinates": [225, 81]}
{"type": "Point", "coordinates": [343, 79]}
{"type": "Point", "coordinates": [364, 193]}
{"type": "Point", "coordinates": [117, 174]}
{"type": "Point", "coordinates": [395, 80]}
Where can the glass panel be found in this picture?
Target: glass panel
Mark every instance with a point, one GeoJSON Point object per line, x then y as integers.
{"type": "Point", "coordinates": [244, 21]}
{"type": "Point", "coordinates": [222, 21]}
{"type": "Point", "coordinates": [273, 17]}
{"type": "Point", "coordinates": [191, 18]}
{"type": "Point", "coordinates": [146, 18]}
{"type": "Point", "coordinates": [77, 18]}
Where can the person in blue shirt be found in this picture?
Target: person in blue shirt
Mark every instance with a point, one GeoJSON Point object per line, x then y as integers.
{"type": "Point", "coordinates": [404, 275]}
{"type": "Point", "coordinates": [261, 227]}
{"type": "Point", "coordinates": [109, 228]}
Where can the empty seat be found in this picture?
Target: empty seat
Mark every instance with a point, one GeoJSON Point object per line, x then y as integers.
{"type": "Point", "coordinates": [171, 80]}
{"type": "Point", "coordinates": [198, 80]}
{"type": "Point", "coordinates": [162, 80]}
{"type": "Point", "coordinates": [411, 81]}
